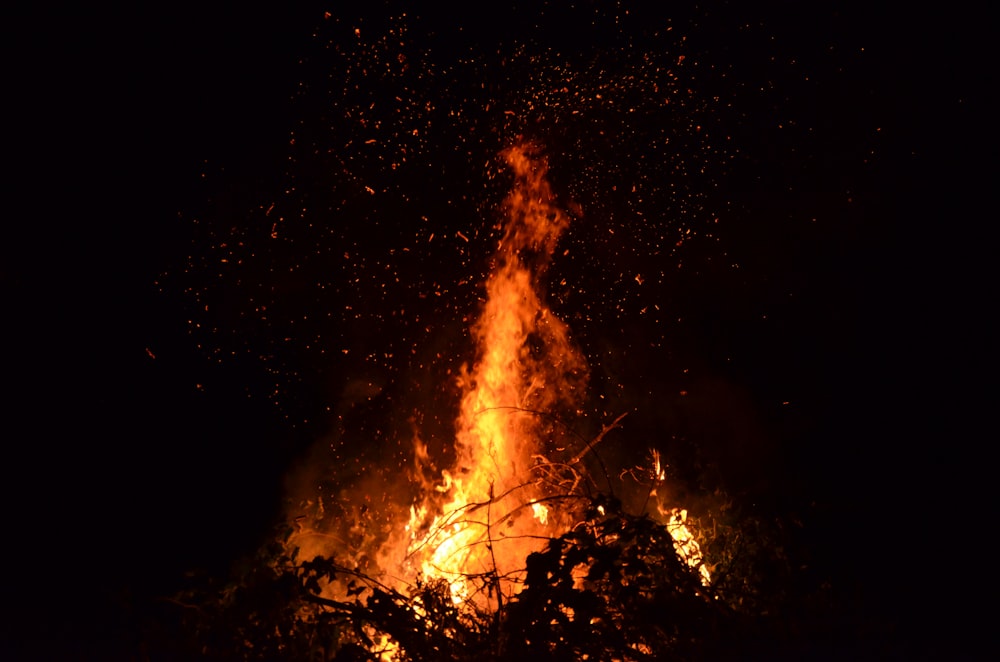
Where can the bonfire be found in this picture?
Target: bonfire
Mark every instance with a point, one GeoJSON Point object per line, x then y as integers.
{"type": "Point", "coordinates": [524, 547]}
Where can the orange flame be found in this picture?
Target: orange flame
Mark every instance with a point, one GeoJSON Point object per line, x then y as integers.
{"type": "Point", "coordinates": [676, 521]}
{"type": "Point", "coordinates": [475, 527]}
{"type": "Point", "coordinates": [526, 366]}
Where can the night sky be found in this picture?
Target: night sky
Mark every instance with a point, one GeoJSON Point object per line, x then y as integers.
{"type": "Point", "coordinates": [797, 189]}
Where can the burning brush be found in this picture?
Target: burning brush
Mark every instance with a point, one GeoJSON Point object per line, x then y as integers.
{"type": "Point", "coordinates": [506, 539]}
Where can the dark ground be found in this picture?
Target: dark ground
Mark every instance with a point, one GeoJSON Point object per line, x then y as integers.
{"type": "Point", "coordinates": [121, 475]}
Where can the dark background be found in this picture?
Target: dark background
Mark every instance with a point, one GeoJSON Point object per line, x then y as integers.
{"type": "Point", "coordinates": [121, 473]}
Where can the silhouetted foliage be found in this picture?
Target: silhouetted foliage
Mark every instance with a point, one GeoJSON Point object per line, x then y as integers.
{"type": "Point", "coordinates": [612, 587]}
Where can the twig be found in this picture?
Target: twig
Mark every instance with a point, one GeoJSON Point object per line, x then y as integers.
{"type": "Point", "coordinates": [591, 446]}
{"type": "Point", "coordinates": [493, 558]}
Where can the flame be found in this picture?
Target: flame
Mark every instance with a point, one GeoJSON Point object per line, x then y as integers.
{"type": "Point", "coordinates": [526, 366]}
{"type": "Point", "coordinates": [477, 522]}
{"type": "Point", "coordinates": [675, 519]}
{"type": "Point", "coordinates": [684, 542]}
